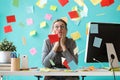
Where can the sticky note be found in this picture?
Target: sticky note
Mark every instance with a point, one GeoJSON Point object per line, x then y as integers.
{"type": "Point", "coordinates": [52, 63]}
{"type": "Point", "coordinates": [118, 8]}
{"type": "Point", "coordinates": [65, 19]}
{"type": "Point", "coordinates": [95, 2]}
{"type": "Point", "coordinates": [33, 33]}
{"type": "Point", "coordinates": [33, 51]}
{"type": "Point", "coordinates": [84, 12]}
{"type": "Point", "coordinates": [76, 50]}
{"type": "Point", "coordinates": [97, 42]}
{"type": "Point", "coordinates": [24, 40]}
{"type": "Point", "coordinates": [8, 29]}
{"type": "Point", "coordinates": [53, 38]}
{"type": "Point", "coordinates": [48, 16]}
{"type": "Point", "coordinates": [29, 21]}
{"type": "Point", "coordinates": [41, 3]}
{"type": "Point", "coordinates": [21, 24]}
{"type": "Point", "coordinates": [53, 7]}
{"type": "Point", "coordinates": [106, 2]}
{"type": "Point", "coordinates": [73, 14]}
{"type": "Point", "coordinates": [79, 2]}
{"type": "Point", "coordinates": [63, 2]}
{"type": "Point", "coordinates": [76, 35]}
{"type": "Point", "coordinates": [94, 28]}
{"type": "Point", "coordinates": [11, 18]}
{"type": "Point", "coordinates": [15, 3]}
{"type": "Point", "coordinates": [29, 9]}
{"type": "Point", "coordinates": [73, 66]}
{"type": "Point", "coordinates": [43, 24]}
{"type": "Point", "coordinates": [65, 63]}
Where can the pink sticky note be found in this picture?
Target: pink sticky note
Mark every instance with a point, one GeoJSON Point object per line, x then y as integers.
{"type": "Point", "coordinates": [29, 21]}
{"type": "Point", "coordinates": [48, 16]}
{"type": "Point", "coordinates": [7, 29]}
{"type": "Point", "coordinates": [11, 18]}
{"type": "Point", "coordinates": [53, 38]}
{"type": "Point", "coordinates": [33, 51]}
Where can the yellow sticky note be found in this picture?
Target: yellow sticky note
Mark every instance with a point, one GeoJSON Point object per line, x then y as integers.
{"type": "Point", "coordinates": [33, 32]}
{"type": "Point", "coordinates": [118, 8]}
{"type": "Point", "coordinates": [95, 2]}
{"type": "Point", "coordinates": [79, 2]}
{"type": "Point", "coordinates": [43, 24]}
{"type": "Point", "coordinates": [53, 8]}
{"type": "Point", "coordinates": [76, 35]}
{"type": "Point", "coordinates": [41, 4]}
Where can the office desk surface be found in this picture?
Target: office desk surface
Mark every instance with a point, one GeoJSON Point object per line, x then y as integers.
{"type": "Point", "coordinates": [98, 72]}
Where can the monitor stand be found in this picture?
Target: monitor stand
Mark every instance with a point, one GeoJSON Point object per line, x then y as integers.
{"type": "Point", "coordinates": [112, 57]}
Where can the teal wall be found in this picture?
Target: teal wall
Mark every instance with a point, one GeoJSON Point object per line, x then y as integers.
{"type": "Point", "coordinates": [6, 8]}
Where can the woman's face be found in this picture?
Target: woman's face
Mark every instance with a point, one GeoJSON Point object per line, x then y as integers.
{"type": "Point", "coordinates": [59, 28]}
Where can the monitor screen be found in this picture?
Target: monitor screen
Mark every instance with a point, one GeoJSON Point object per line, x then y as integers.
{"type": "Point", "coordinates": [98, 35]}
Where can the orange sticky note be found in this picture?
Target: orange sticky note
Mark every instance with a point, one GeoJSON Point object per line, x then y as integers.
{"type": "Point", "coordinates": [7, 29]}
{"type": "Point", "coordinates": [73, 14]}
{"type": "Point", "coordinates": [11, 18]}
{"type": "Point", "coordinates": [53, 38]}
{"type": "Point", "coordinates": [63, 2]}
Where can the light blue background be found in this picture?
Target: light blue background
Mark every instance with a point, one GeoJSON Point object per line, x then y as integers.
{"type": "Point", "coordinates": [6, 8]}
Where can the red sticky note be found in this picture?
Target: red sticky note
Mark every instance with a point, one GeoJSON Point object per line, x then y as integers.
{"type": "Point", "coordinates": [11, 18]}
{"type": "Point", "coordinates": [53, 38]}
{"type": "Point", "coordinates": [65, 63]}
{"type": "Point", "coordinates": [106, 2]}
{"type": "Point", "coordinates": [63, 2]}
{"type": "Point", "coordinates": [73, 14]}
{"type": "Point", "coordinates": [7, 29]}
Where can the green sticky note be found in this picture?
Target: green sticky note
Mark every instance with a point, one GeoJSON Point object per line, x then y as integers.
{"type": "Point", "coordinates": [15, 3]}
{"type": "Point", "coordinates": [52, 63]}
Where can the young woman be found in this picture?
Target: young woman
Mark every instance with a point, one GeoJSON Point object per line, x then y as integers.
{"type": "Point", "coordinates": [63, 48]}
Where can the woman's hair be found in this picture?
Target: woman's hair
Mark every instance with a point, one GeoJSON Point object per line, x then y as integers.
{"type": "Point", "coordinates": [58, 21]}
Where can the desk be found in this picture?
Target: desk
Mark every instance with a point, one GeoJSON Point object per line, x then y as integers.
{"type": "Point", "coordinates": [98, 72]}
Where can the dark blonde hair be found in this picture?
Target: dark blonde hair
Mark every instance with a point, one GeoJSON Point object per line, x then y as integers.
{"type": "Point", "coordinates": [58, 21]}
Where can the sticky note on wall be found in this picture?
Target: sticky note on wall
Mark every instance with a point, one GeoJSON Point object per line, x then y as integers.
{"type": "Point", "coordinates": [43, 24]}
{"type": "Point", "coordinates": [76, 35]}
{"type": "Point", "coordinates": [53, 7]}
{"type": "Point", "coordinates": [33, 33]}
{"type": "Point", "coordinates": [95, 2]}
{"type": "Point", "coordinates": [63, 2]}
{"type": "Point", "coordinates": [8, 29]}
{"type": "Point", "coordinates": [106, 2]}
{"type": "Point", "coordinates": [73, 14]}
{"type": "Point", "coordinates": [11, 19]}
{"type": "Point", "coordinates": [33, 51]}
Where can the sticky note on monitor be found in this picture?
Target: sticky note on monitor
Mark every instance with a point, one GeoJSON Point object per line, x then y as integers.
{"type": "Point", "coordinates": [97, 42]}
{"type": "Point", "coordinates": [94, 28]}
{"type": "Point", "coordinates": [53, 38]}
{"type": "Point", "coordinates": [76, 35]}
{"type": "Point", "coordinates": [73, 66]}
{"type": "Point", "coordinates": [63, 2]}
{"type": "Point", "coordinates": [8, 29]}
{"type": "Point", "coordinates": [11, 18]}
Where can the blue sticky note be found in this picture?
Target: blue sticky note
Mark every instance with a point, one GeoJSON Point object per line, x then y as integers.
{"type": "Point", "coordinates": [72, 65]}
{"type": "Point", "coordinates": [94, 28]}
{"type": "Point", "coordinates": [97, 42]}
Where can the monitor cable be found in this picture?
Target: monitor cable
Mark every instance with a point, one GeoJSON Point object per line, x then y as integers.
{"type": "Point", "coordinates": [112, 68]}
{"type": "Point", "coordinates": [99, 62]}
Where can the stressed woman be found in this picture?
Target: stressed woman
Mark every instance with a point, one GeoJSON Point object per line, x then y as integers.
{"type": "Point", "coordinates": [62, 48]}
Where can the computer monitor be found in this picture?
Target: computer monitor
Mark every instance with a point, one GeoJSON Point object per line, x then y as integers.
{"type": "Point", "coordinates": [103, 42]}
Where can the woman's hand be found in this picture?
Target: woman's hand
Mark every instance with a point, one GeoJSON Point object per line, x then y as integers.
{"type": "Point", "coordinates": [56, 45]}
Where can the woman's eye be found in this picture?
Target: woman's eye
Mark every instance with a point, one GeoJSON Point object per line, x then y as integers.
{"type": "Point", "coordinates": [56, 26]}
{"type": "Point", "coordinates": [62, 27]}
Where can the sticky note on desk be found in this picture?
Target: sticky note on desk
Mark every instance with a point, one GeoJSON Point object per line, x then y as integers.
{"type": "Point", "coordinates": [63, 2]}
{"type": "Point", "coordinates": [94, 28]}
{"type": "Point", "coordinates": [97, 42]}
{"type": "Point", "coordinates": [53, 38]}
{"type": "Point", "coordinates": [11, 18]}
{"type": "Point", "coordinates": [8, 29]}
{"type": "Point", "coordinates": [72, 65]}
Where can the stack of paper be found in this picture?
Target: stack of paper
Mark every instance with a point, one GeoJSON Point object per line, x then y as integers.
{"type": "Point", "coordinates": [5, 67]}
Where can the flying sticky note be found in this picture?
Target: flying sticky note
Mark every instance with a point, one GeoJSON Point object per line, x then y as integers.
{"type": "Point", "coordinates": [73, 65]}
{"type": "Point", "coordinates": [65, 63]}
{"type": "Point", "coordinates": [43, 24]}
{"type": "Point", "coordinates": [29, 21]}
{"type": "Point", "coordinates": [76, 50]}
{"type": "Point", "coordinates": [118, 8]}
{"type": "Point", "coordinates": [33, 51]}
{"type": "Point", "coordinates": [53, 38]}
{"type": "Point", "coordinates": [94, 28]}
{"type": "Point", "coordinates": [48, 16]}
{"type": "Point", "coordinates": [15, 3]}
{"type": "Point", "coordinates": [97, 42]}
{"type": "Point", "coordinates": [79, 2]}
{"type": "Point", "coordinates": [33, 33]}
{"type": "Point", "coordinates": [7, 29]}
{"type": "Point", "coordinates": [95, 2]}
{"type": "Point", "coordinates": [106, 2]}
{"type": "Point", "coordinates": [41, 3]}
{"type": "Point", "coordinates": [11, 18]}
{"type": "Point", "coordinates": [63, 2]}
{"type": "Point", "coordinates": [51, 62]}
{"type": "Point", "coordinates": [73, 14]}
{"type": "Point", "coordinates": [24, 40]}
{"type": "Point", "coordinates": [21, 24]}
{"type": "Point", "coordinates": [84, 12]}
{"type": "Point", "coordinates": [76, 35]}
{"type": "Point", "coordinates": [29, 9]}
{"type": "Point", "coordinates": [53, 7]}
